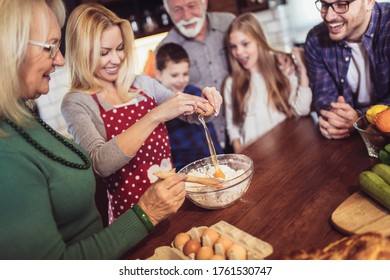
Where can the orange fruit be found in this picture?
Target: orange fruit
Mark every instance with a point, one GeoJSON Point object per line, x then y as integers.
{"type": "Point", "coordinates": [382, 121]}
{"type": "Point", "coordinates": [375, 109]}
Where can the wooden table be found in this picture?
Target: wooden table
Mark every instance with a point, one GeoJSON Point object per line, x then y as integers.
{"type": "Point", "coordinates": [299, 179]}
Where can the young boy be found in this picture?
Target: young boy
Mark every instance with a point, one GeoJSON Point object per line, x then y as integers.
{"type": "Point", "coordinates": [188, 141]}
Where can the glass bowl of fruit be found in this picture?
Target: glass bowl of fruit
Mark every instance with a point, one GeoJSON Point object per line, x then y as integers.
{"type": "Point", "coordinates": [374, 128]}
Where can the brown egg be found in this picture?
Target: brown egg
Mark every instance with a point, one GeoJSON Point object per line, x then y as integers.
{"type": "Point", "coordinates": [209, 112]}
{"type": "Point", "coordinates": [181, 239]}
{"type": "Point", "coordinates": [217, 257]}
{"type": "Point", "coordinates": [204, 253]}
{"type": "Point", "coordinates": [225, 241]}
{"type": "Point", "coordinates": [209, 237]}
{"type": "Point", "coordinates": [236, 252]}
{"type": "Point", "coordinates": [191, 247]}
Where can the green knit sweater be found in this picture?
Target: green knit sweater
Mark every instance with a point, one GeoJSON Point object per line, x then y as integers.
{"type": "Point", "coordinates": [47, 210]}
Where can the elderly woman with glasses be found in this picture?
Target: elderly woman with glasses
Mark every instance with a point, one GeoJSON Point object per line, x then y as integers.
{"type": "Point", "coordinates": [47, 208]}
{"type": "Point", "coordinates": [347, 58]}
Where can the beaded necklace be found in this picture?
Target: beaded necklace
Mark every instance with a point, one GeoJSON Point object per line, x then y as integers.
{"type": "Point", "coordinates": [46, 152]}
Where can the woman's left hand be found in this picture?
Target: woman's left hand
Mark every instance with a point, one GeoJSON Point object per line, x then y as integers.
{"type": "Point", "coordinates": [214, 97]}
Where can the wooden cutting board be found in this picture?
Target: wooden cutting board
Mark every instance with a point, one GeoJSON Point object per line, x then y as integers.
{"type": "Point", "coordinates": [359, 214]}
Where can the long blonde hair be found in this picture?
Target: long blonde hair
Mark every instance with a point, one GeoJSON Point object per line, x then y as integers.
{"type": "Point", "coordinates": [15, 26]}
{"type": "Point", "coordinates": [277, 84]}
{"type": "Point", "coordinates": [84, 29]}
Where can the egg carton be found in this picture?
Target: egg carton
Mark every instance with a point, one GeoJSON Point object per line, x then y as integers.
{"type": "Point", "coordinates": [257, 249]}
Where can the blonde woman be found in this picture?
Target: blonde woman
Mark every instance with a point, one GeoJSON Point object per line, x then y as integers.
{"type": "Point", "coordinates": [47, 186]}
{"type": "Point", "coordinates": [257, 94]}
{"type": "Point", "coordinates": [116, 116]}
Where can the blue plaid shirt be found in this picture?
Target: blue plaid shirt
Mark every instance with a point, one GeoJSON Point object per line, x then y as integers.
{"type": "Point", "coordinates": [328, 61]}
{"type": "Point", "coordinates": [188, 141]}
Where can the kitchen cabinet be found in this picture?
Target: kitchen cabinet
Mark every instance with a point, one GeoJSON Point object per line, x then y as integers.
{"type": "Point", "coordinates": [147, 17]}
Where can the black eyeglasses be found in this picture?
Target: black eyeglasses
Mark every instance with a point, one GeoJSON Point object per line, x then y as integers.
{"type": "Point", "coordinates": [51, 48]}
{"type": "Point", "coordinates": [340, 7]}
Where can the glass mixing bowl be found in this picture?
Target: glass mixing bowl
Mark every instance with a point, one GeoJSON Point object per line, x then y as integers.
{"type": "Point", "coordinates": [238, 169]}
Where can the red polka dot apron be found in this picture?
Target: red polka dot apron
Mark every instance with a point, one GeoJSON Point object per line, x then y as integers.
{"type": "Point", "coordinates": [125, 187]}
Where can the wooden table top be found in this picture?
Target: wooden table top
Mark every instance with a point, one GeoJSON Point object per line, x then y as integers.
{"type": "Point", "coordinates": [299, 180]}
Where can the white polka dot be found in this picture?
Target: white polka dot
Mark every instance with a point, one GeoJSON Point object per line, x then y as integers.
{"type": "Point", "coordinates": [119, 121]}
{"type": "Point", "coordinates": [108, 125]}
{"type": "Point", "coordinates": [114, 111]}
{"type": "Point", "coordinates": [121, 207]}
{"type": "Point", "coordinates": [122, 115]}
{"type": "Point", "coordinates": [132, 111]}
{"type": "Point", "coordinates": [149, 147]}
{"type": "Point", "coordinates": [129, 193]}
{"type": "Point", "coordinates": [147, 154]}
{"type": "Point", "coordinates": [142, 107]}
{"type": "Point", "coordinates": [144, 181]}
{"type": "Point", "coordinates": [136, 196]}
{"type": "Point", "coordinates": [133, 185]}
{"type": "Point", "coordinates": [111, 118]}
{"type": "Point", "coordinates": [159, 136]}
{"type": "Point", "coordinates": [123, 170]}
{"type": "Point", "coordinates": [125, 200]}
{"type": "Point", "coordinates": [104, 115]}
{"type": "Point", "coordinates": [122, 189]}
{"type": "Point", "coordinates": [127, 181]}
{"type": "Point", "coordinates": [116, 202]}
{"type": "Point", "coordinates": [137, 177]}
{"type": "Point", "coordinates": [116, 128]}
{"type": "Point", "coordinates": [116, 184]}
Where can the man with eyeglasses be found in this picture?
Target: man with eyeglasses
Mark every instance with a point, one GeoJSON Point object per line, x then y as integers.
{"type": "Point", "coordinates": [347, 58]}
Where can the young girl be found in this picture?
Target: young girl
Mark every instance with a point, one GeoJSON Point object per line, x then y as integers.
{"type": "Point", "coordinates": [116, 116]}
{"type": "Point", "coordinates": [258, 95]}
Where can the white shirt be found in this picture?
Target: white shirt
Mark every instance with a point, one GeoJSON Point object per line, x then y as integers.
{"type": "Point", "coordinates": [260, 117]}
{"type": "Point", "coordinates": [358, 74]}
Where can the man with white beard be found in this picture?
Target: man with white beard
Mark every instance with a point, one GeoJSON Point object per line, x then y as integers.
{"type": "Point", "coordinates": [201, 34]}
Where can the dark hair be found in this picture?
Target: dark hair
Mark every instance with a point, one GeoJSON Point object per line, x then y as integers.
{"type": "Point", "coordinates": [170, 52]}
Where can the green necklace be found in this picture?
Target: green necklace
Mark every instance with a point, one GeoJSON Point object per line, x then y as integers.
{"type": "Point", "coordinates": [57, 136]}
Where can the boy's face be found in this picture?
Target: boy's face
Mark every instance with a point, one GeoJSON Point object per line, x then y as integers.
{"type": "Point", "coordinates": [175, 76]}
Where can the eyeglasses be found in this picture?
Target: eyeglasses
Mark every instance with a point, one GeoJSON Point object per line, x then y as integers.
{"type": "Point", "coordinates": [339, 7]}
{"type": "Point", "coordinates": [50, 47]}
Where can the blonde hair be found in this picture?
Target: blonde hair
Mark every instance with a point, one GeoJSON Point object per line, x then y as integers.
{"type": "Point", "coordinates": [277, 84]}
{"type": "Point", "coordinates": [15, 25]}
{"type": "Point", "coordinates": [84, 29]}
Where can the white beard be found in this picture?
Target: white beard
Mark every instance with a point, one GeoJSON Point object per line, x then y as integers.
{"type": "Point", "coordinates": [191, 32]}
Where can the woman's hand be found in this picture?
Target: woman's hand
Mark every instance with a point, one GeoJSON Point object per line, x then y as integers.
{"type": "Point", "coordinates": [163, 198]}
{"type": "Point", "coordinates": [298, 54]}
{"type": "Point", "coordinates": [214, 98]}
{"type": "Point", "coordinates": [178, 104]}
